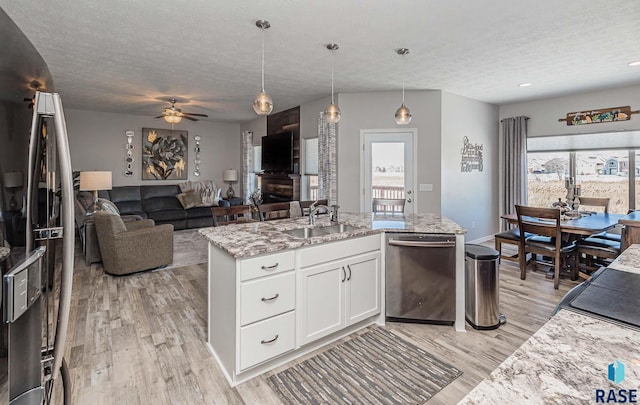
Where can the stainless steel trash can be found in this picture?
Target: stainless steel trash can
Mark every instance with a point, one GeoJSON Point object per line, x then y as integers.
{"type": "Point", "coordinates": [482, 294]}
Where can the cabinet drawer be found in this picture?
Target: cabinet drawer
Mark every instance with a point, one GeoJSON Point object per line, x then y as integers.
{"type": "Point", "coordinates": [265, 297]}
{"type": "Point", "coordinates": [266, 339]}
{"type": "Point", "coordinates": [266, 265]}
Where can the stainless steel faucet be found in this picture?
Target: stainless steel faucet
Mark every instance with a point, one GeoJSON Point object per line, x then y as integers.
{"type": "Point", "coordinates": [313, 212]}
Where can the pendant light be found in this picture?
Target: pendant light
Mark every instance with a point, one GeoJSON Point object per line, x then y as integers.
{"type": "Point", "coordinates": [263, 104]}
{"type": "Point", "coordinates": [332, 112]}
{"type": "Point", "coordinates": [403, 114]}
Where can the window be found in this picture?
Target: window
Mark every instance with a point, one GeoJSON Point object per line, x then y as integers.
{"type": "Point", "coordinates": [605, 173]}
{"type": "Point", "coordinates": [311, 169]}
{"type": "Point", "coordinates": [603, 165]}
{"type": "Point", "coordinates": [547, 172]}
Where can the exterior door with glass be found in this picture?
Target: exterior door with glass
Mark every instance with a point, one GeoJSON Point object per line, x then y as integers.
{"type": "Point", "coordinates": [388, 168]}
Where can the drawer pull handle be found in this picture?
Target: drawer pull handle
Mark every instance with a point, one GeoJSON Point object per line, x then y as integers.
{"type": "Point", "coordinates": [272, 267]}
{"type": "Point", "coordinates": [270, 298]}
{"type": "Point", "coordinates": [264, 342]}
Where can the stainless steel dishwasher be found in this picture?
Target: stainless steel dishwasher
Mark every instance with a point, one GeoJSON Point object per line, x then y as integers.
{"type": "Point", "coordinates": [420, 278]}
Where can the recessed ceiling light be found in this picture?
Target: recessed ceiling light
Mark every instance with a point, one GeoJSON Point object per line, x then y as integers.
{"type": "Point", "coordinates": [636, 63]}
{"type": "Point", "coordinates": [524, 85]}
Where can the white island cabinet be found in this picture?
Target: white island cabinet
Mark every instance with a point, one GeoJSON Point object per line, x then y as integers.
{"type": "Point", "coordinates": [337, 286]}
{"type": "Point", "coordinates": [269, 309]}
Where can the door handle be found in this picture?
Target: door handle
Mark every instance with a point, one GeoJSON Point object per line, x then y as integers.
{"type": "Point", "coordinates": [393, 242]}
{"type": "Point", "coordinates": [344, 275]}
{"type": "Point", "coordinates": [349, 267]}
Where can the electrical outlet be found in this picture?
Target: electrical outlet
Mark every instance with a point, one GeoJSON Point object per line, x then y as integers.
{"type": "Point", "coordinates": [426, 187]}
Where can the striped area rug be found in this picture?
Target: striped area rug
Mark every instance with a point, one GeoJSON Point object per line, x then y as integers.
{"type": "Point", "coordinates": [376, 367]}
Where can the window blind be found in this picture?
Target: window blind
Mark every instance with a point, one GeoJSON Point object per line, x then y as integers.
{"type": "Point", "coordinates": [577, 142]}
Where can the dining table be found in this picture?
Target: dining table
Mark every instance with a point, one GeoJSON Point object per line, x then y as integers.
{"type": "Point", "coordinates": [586, 224]}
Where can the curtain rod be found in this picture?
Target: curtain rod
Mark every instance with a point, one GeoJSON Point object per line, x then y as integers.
{"type": "Point", "coordinates": [526, 118]}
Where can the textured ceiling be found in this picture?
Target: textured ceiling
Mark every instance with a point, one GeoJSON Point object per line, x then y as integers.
{"type": "Point", "coordinates": [129, 56]}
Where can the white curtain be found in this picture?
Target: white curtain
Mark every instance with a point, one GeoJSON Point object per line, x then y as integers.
{"type": "Point", "coordinates": [514, 136]}
{"type": "Point", "coordinates": [327, 157]}
{"type": "Point", "coordinates": [247, 165]}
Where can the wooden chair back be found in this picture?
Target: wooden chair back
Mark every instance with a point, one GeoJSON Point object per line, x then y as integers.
{"type": "Point", "coordinates": [595, 202]}
{"type": "Point", "coordinates": [388, 205]}
{"type": "Point", "coordinates": [278, 210]}
{"type": "Point", "coordinates": [231, 215]}
{"type": "Point", "coordinates": [539, 221]}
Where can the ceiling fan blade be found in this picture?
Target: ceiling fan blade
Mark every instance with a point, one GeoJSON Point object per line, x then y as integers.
{"type": "Point", "coordinates": [195, 115]}
{"type": "Point", "coordinates": [159, 116]}
{"type": "Point", "coordinates": [189, 118]}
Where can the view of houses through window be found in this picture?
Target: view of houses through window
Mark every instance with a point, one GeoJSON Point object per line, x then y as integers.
{"type": "Point", "coordinates": [599, 173]}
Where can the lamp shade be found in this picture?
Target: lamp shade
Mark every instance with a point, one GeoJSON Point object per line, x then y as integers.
{"type": "Point", "coordinates": [12, 179]}
{"type": "Point", "coordinates": [230, 175]}
{"type": "Point", "coordinates": [90, 181]}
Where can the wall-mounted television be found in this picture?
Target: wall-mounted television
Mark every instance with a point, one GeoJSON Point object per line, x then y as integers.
{"type": "Point", "coordinates": [277, 153]}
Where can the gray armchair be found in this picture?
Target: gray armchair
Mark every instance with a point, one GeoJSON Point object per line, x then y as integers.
{"type": "Point", "coordinates": [134, 246]}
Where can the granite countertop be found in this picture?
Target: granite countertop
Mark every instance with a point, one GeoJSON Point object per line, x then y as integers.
{"type": "Point", "coordinates": [629, 260]}
{"type": "Point", "coordinates": [567, 359]}
{"type": "Point", "coordinates": [564, 362]}
{"type": "Point", "coordinates": [254, 238]}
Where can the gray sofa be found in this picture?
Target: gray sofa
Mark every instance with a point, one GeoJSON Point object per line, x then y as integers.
{"type": "Point", "coordinates": [157, 202]}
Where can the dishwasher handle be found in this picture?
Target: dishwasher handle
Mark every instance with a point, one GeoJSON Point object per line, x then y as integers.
{"type": "Point", "coordinates": [432, 244]}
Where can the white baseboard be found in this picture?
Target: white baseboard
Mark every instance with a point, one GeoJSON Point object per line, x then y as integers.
{"type": "Point", "coordinates": [481, 240]}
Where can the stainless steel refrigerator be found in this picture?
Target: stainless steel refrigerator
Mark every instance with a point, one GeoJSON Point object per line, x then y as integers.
{"type": "Point", "coordinates": [36, 226]}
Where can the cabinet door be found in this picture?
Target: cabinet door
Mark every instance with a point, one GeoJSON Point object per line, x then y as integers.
{"type": "Point", "coordinates": [362, 287]}
{"type": "Point", "coordinates": [321, 301]}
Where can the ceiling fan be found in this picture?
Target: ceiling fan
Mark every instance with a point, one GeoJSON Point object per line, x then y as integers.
{"type": "Point", "coordinates": [174, 115]}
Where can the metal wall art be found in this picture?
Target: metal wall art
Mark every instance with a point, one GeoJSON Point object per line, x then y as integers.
{"type": "Point", "coordinates": [600, 115]}
{"type": "Point", "coordinates": [471, 156]}
{"type": "Point", "coordinates": [128, 170]}
{"type": "Point", "coordinates": [164, 154]}
{"type": "Point", "coordinates": [197, 161]}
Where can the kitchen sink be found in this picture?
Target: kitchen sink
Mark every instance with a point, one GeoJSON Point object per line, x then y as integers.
{"type": "Point", "coordinates": [310, 232]}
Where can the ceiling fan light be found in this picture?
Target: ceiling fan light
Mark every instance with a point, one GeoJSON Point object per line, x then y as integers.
{"type": "Point", "coordinates": [403, 115]}
{"type": "Point", "coordinates": [172, 119]}
{"type": "Point", "coordinates": [263, 104]}
{"type": "Point", "coordinates": [332, 114]}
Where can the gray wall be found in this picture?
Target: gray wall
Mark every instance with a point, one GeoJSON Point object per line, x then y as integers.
{"type": "Point", "coordinates": [97, 142]}
{"type": "Point", "coordinates": [470, 198]}
{"type": "Point", "coordinates": [376, 111]}
{"type": "Point", "coordinates": [544, 114]}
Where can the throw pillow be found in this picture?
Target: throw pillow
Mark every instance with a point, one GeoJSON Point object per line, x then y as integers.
{"type": "Point", "coordinates": [108, 206]}
{"type": "Point", "coordinates": [189, 199]}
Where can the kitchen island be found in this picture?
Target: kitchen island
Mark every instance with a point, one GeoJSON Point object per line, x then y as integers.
{"type": "Point", "coordinates": [278, 291]}
{"type": "Point", "coordinates": [568, 359]}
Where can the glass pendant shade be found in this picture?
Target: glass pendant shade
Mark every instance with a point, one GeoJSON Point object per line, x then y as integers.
{"type": "Point", "coordinates": [332, 114]}
{"type": "Point", "coordinates": [263, 104]}
{"type": "Point", "coordinates": [403, 115]}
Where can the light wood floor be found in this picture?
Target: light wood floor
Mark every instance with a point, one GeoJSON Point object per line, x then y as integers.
{"type": "Point", "coordinates": [140, 339]}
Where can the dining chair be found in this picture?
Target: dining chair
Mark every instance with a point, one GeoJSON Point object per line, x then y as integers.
{"type": "Point", "coordinates": [277, 210]}
{"type": "Point", "coordinates": [510, 237]}
{"type": "Point", "coordinates": [388, 205]}
{"type": "Point", "coordinates": [231, 215]}
{"type": "Point", "coordinates": [544, 225]}
{"type": "Point", "coordinates": [601, 203]}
